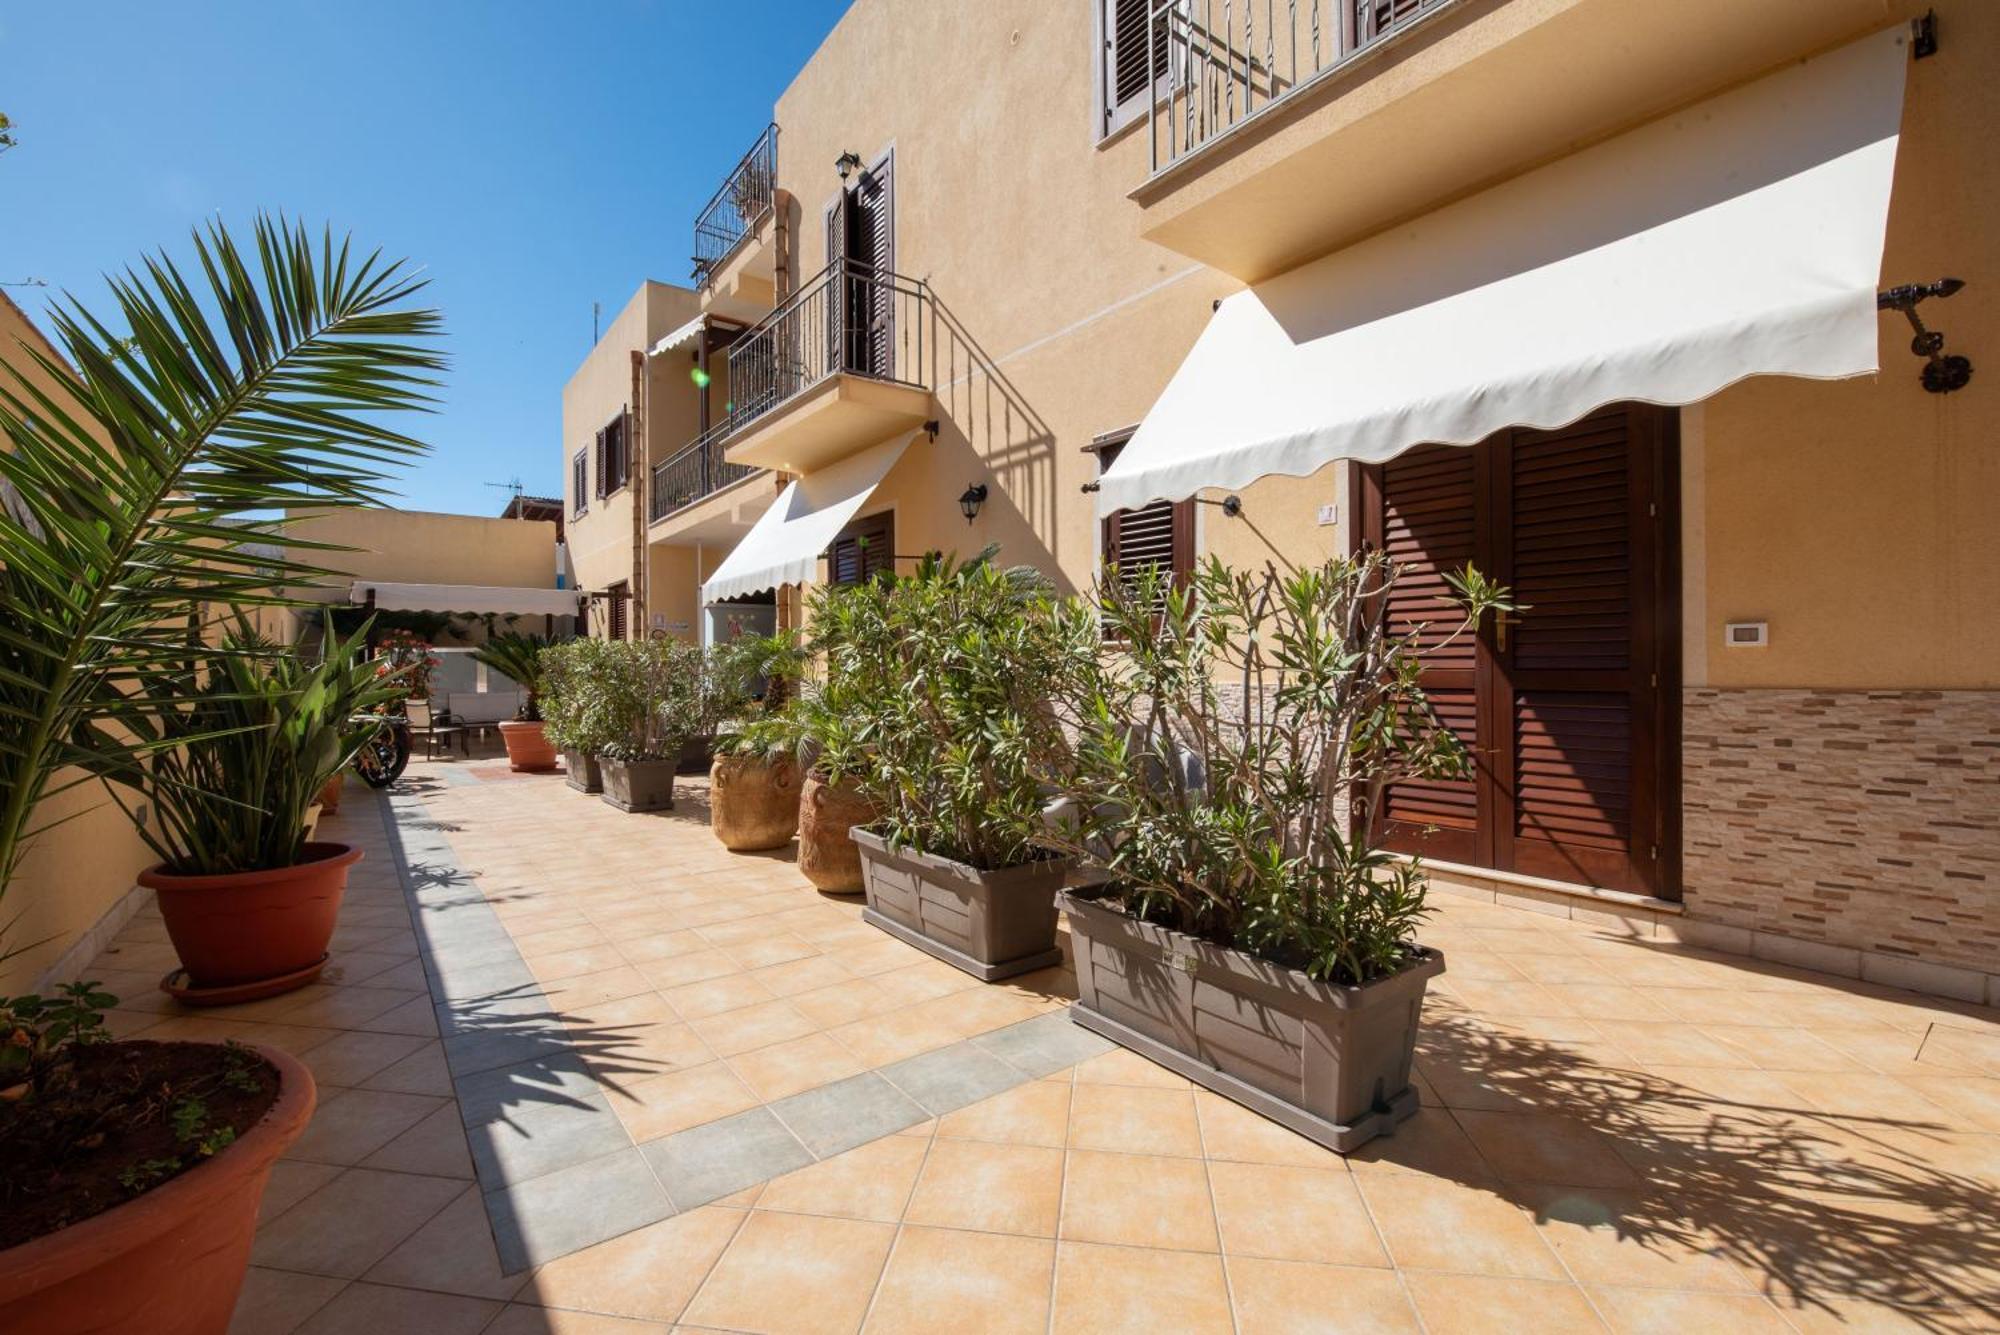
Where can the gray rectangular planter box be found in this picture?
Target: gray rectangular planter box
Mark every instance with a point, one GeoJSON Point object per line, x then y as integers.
{"type": "Point", "coordinates": [638, 785]}
{"type": "Point", "coordinates": [583, 772]}
{"type": "Point", "coordinates": [991, 924]}
{"type": "Point", "coordinates": [1330, 1062]}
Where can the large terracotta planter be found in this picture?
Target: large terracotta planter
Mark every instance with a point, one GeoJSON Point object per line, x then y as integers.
{"type": "Point", "coordinates": [753, 803]}
{"type": "Point", "coordinates": [829, 859]}
{"type": "Point", "coordinates": [1330, 1062]}
{"type": "Point", "coordinates": [329, 794]}
{"type": "Point", "coordinates": [583, 772]}
{"type": "Point", "coordinates": [255, 927]}
{"type": "Point", "coordinates": [529, 751]}
{"type": "Point", "coordinates": [991, 924]}
{"type": "Point", "coordinates": [170, 1262]}
{"type": "Point", "coordinates": [638, 785]}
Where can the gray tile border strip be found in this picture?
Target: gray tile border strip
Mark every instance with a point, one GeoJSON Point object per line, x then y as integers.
{"type": "Point", "coordinates": [556, 1167]}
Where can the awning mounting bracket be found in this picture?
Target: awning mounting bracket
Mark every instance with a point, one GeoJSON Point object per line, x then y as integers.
{"type": "Point", "coordinates": [1942, 373]}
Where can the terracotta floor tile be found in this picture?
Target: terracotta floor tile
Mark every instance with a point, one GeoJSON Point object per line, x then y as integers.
{"type": "Point", "coordinates": [1295, 1298]}
{"type": "Point", "coordinates": [1293, 1214]}
{"type": "Point", "coordinates": [277, 1302]}
{"type": "Point", "coordinates": [841, 1003]}
{"type": "Point", "coordinates": [717, 996]}
{"type": "Point", "coordinates": [1231, 1131]}
{"type": "Point", "coordinates": [351, 1124]}
{"type": "Point", "coordinates": [873, 1181]}
{"type": "Point", "coordinates": [649, 1274]}
{"type": "Point", "coordinates": [1132, 1120]}
{"type": "Point", "coordinates": [662, 945]}
{"type": "Point", "coordinates": [291, 1181]}
{"type": "Point", "coordinates": [1431, 1224]}
{"type": "Point", "coordinates": [1630, 1240]}
{"type": "Point", "coordinates": [1137, 1200]}
{"type": "Point", "coordinates": [924, 980]}
{"type": "Point", "coordinates": [453, 1253]}
{"type": "Point", "coordinates": [352, 1222]}
{"type": "Point", "coordinates": [663, 1104]}
{"type": "Point", "coordinates": [1036, 1113]}
{"type": "Point", "coordinates": [435, 1147]}
{"type": "Point", "coordinates": [1106, 1290]}
{"type": "Point", "coordinates": [1119, 1067]}
{"type": "Point", "coordinates": [794, 1273]}
{"type": "Point", "coordinates": [881, 1040]}
{"type": "Point", "coordinates": [1538, 1147]}
{"type": "Point", "coordinates": [677, 971]}
{"type": "Point", "coordinates": [802, 975]}
{"type": "Point", "coordinates": [769, 948]}
{"type": "Point", "coordinates": [522, 1319]}
{"type": "Point", "coordinates": [940, 1282]}
{"type": "Point", "coordinates": [373, 1309]}
{"type": "Point", "coordinates": [793, 1066]}
{"type": "Point", "coordinates": [994, 1188]}
{"type": "Point", "coordinates": [570, 963]}
{"type": "Point", "coordinates": [751, 1027]}
{"type": "Point", "coordinates": [1480, 1304]}
{"type": "Point", "coordinates": [1666, 1312]}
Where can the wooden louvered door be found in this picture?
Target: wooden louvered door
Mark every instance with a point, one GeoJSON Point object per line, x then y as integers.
{"type": "Point", "coordinates": [1565, 705]}
{"type": "Point", "coordinates": [861, 230]}
{"type": "Point", "coordinates": [864, 549]}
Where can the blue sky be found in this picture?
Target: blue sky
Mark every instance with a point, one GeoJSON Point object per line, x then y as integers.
{"type": "Point", "coordinates": [534, 158]}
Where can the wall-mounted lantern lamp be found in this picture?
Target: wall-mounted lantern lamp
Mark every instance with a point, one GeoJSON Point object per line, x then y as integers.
{"type": "Point", "coordinates": [969, 502]}
{"type": "Point", "coordinates": [847, 164]}
{"type": "Point", "coordinates": [1941, 374]}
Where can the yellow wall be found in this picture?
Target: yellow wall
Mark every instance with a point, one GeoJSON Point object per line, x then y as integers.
{"type": "Point", "coordinates": [81, 869]}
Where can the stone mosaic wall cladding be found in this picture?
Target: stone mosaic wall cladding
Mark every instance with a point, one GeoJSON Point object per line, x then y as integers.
{"type": "Point", "coordinates": [1862, 819]}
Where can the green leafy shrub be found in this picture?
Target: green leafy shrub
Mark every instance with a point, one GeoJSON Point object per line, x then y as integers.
{"type": "Point", "coordinates": [518, 658]}
{"type": "Point", "coordinates": [935, 683]}
{"type": "Point", "coordinates": [656, 698]}
{"type": "Point", "coordinates": [575, 701]}
{"type": "Point", "coordinates": [1224, 749]}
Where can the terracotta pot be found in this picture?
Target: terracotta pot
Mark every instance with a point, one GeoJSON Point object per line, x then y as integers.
{"type": "Point", "coordinates": [329, 794]}
{"type": "Point", "coordinates": [753, 803]}
{"type": "Point", "coordinates": [529, 750]}
{"type": "Point", "coordinates": [827, 856]}
{"type": "Point", "coordinates": [1330, 1062]}
{"type": "Point", "coordinates": [169, 1262]}
{"type": "Point", "coordinates": [245, 927]}
{"type": "Point", "coordinates": [583, 772]}
{"type": "Point", "coordinates": [990, 924]}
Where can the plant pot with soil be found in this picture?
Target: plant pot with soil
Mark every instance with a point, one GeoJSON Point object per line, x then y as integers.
{"type": "Point", "coordinates": [755, 776]}
{"type": "Point", "coordinates": [575, 706]}
{"type": "Point", "coordinates": [249, 902]}
{"type": "Point", "coordinates": [945, 672]}
{"type": "Point", "coordinates": [518, 657]}
{"type": "Point", "coordinates": [829, 810]}
{"type": "Point", "coordinates": [654, 690]}
{"type": "Point", "coordinates": [1223, 752]}
{"type": "Point", "coordinates": [329, 794]}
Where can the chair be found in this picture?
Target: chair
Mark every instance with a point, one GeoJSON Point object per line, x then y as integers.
{"type": "Point", "coordinates": [434, 729]}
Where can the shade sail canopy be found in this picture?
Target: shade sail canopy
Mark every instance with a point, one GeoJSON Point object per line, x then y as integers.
{"type": "Point", "coordinates": [1742, 236]}
{"type": "Point", "coordinates": [785, 545]}
{"type": "Point", "coordinates": [679, 336]}
{"type": "Point", "coordinates": [477, 598]}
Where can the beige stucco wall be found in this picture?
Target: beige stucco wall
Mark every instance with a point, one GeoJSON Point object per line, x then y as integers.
{"type": "Point", "coordinates": [82, 868]}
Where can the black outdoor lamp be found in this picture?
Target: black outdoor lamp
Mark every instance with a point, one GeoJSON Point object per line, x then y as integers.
{"type": "Point", "coordinates": [971, 499]}
{"type": "Point", "coordinates": [847, 164]}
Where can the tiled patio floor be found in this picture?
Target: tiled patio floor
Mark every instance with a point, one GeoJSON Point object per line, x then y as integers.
{"type": "Point", "coordinates": [694, 1055]}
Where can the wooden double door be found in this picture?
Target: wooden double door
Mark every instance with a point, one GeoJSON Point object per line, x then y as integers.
{"type": "Point", "coordinates": [1570, 705]}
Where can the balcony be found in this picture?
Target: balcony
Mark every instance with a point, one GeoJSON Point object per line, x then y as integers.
{"type": "Point", "coordinates": [844, 363]}
{"type": "Point", "coordinates": [735, 216]}
{"type": "Point", "coordinates": [691, 475]}
{"type": "Point", "coordinates": [1281, 130]}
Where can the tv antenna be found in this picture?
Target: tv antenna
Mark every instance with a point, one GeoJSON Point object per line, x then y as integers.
{"type": "Point", "coordinates": [512, 486]}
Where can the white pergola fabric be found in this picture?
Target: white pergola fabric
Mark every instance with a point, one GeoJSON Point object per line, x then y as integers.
{"type": "Point", "coordinates": [1742, 236]}
{"type": "Point", "coordinates": [679, 336]}
{"type": "Point", "coordinates": [784, 545]}
{"type": "Point", "coordinates": [479, 598]}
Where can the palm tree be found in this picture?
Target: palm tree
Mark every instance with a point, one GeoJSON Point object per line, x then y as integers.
{"type": "Point", "coordinates": [152, 485]}
{"type": "Point", "coordinates": [517, 657]}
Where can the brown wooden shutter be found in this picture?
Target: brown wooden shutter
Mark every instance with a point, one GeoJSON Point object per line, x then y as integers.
{"type": "Point", "coordinates": [1159, 534]}
{"type": "Point", "coordinates": [874, 244]}
{"type": "Point", "coordinates": [1126, 29]}
{"type": "Point", "coordinates": [1429, 525]}
{"type": "Point", "coordinates": [597, 463]}
{"type": "Point", "coordinates": [617, 618]}
{"type": "Point", "coordinates": [864, 549]}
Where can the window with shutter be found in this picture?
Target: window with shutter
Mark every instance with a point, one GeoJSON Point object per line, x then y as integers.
{"type": "Point", "coordinates": [864, 549]}
{"type": "Point", "coordinates": [613, 456]}
{"type": "Point", "coordinates": [579, 482]}
{"type": "Point", "coordinates": [1125, 68]}
{"type": "Point", "coordinates": [617, 613]}
{"type": "Point", "coordinates": [597, 462]}
{"type": "Point", "coordinates": [1160, 534]}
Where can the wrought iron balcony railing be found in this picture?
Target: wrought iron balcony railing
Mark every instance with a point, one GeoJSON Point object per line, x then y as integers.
{"type": "Point", "coordinates": [1215, 65]}
{"type": "Point", "coordinates": [849, 318]}
{"type": "Point", "coordinates": [739, 207]}
{"type": "Point", "coordinates": [691, 473]}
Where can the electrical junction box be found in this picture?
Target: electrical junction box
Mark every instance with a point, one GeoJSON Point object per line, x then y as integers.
{"type": "Point", "coordinates": [1746, 634]}
{"type": "Point", "coordinates": [1329, 514]}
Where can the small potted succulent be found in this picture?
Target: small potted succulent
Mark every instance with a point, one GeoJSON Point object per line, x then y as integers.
{"type": "Point", "coordinates": [575, 707]}
{"type": "Point", "coordinates": [1223, 753]}
{"type": "Point", "coordinates": [948, 671]}
{"type": "Point", "coordinates": [654, 694]}
{"type": "Point", "coordinates": [754, 780]}
{"type": "Point", "coordinates": [518, 657]}
{"type": "Point", "coordinates": [249, 901]}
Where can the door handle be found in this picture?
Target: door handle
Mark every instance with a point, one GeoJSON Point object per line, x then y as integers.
{"type": "Point", "coordinates": [1500, 623]}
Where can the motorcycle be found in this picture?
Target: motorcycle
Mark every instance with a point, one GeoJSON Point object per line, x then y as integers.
{"type": "Point", "coordinates": [383, 757]}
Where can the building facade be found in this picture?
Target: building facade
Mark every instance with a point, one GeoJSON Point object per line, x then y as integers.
{"type": "Point", "coordinates": [1316, 255]}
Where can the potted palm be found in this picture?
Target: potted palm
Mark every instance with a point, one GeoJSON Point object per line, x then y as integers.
{"type": "Point", "coordinates": [654, 696]}
{"type": "Point", "coordinates": [753, 789]}
{"type": "Point", "coordinates": [576, 708]}
{"type": "Point", "coordinates": [249, 900]}
{"type": "Point", "coordinates": [1223, 752]}
{"type": "Point", "coordinates": [518, 657]}
{"type": "Point", "coordinates": [949, 670]}
{"type": "Point", "coordinates": [149, 483]}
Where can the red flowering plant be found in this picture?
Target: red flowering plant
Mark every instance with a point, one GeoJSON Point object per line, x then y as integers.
{"type": "Point", "coordinates": [410, 654]}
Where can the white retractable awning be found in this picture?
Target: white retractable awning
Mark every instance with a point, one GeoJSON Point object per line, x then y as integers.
{"type": "Point", "coordinates": [679, 336]}
{"type": "Point", "coordinates": [785, 544]}
{"type": "Point", "coordinates": [1741, 236]}
{"type": "Point", "coordinates": [478, 598]}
